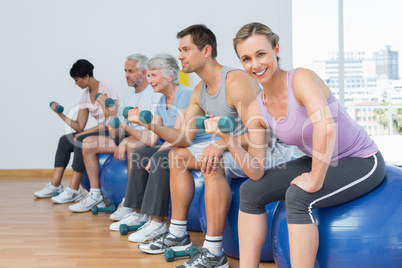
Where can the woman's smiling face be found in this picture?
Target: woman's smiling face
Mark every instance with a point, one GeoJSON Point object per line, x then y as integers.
{"type": "Point", "coordinates": [157, 80]}
{"type": "Point", "coordinates": [258, 57]}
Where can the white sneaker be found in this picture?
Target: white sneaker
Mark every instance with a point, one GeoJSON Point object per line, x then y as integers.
{"type": "Point", "coordinates": [48, 191]}
{"type": "Point", "coordinates": [131, 219]}
{"type": "Point", "coordinates": [87, 203]}
{"type": "Point", "coordinates": [67, 196]}
{"type": "Point", "coordinates": [120, 212]}
{"type": "Point", "coordinates": [148, 232]}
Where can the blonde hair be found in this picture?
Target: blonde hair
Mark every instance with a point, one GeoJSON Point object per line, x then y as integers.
{"type": "Point", "coordinates": [255, 28]}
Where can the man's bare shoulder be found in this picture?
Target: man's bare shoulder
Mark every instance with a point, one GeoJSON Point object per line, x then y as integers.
{"type": "Point", "coordinates": [239, 80]}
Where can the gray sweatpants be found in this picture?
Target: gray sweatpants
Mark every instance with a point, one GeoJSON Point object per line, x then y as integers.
{"type": "Point", "coordinates": [149, 192]}
{"type": "Point", "coordinates": [346, 179]}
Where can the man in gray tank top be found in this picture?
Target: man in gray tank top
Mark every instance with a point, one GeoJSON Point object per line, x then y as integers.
{"type": "Point", "coordinates": [223, 91]}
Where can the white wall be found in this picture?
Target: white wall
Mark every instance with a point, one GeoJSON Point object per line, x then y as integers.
{"type": "Point", "coordinates": [41, 39]}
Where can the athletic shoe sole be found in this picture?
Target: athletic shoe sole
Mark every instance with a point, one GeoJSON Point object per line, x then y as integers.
{"type": "Point", "coordinates": [37, 196]}
{"type": "Point", "coordinates": [74, 199]}
{"type": "Point", "coordinates": [160, 251]}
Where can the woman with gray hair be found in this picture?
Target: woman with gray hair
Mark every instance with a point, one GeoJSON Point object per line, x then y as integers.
{"type": "Point", "coordinates": [148, 191]}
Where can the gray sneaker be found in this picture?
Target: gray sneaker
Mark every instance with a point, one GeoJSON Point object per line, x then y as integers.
{"type": "Point", "coordinates": [204, 259]}
{"type": "Point", "coordinates": [166, 240]}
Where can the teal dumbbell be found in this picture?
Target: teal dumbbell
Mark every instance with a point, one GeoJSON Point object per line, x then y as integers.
{"type": "Point", "coordinates": [96, 209]}
{"type": "Point", "coordinates": [146, 117]}
{"type": "Point", "coordinates": [200, 123]}
{"type": "Point", "coordinates": [124, 228]}
{"type": "Point", "coordinates": [226, 124]}
{"type": "Point", "coordinates": [170, 254]}
{"type": "Point", "coordinates": [59, 108]}
{"type": "Point", "coordinates": [109, 102]}
{"type": "Point", "coordinates": [125, 111]}
{"type": "Point", "coordinates": [114, 122]}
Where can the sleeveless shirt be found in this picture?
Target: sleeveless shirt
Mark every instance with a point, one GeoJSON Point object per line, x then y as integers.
{"type": "Point", "coordinates": [296, 129]}
{"type": "Point", "coordinates": [217, 104]}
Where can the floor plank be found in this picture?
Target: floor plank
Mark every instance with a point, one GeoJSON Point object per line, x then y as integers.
{"type": "Point", "coordinates": [36, 233]}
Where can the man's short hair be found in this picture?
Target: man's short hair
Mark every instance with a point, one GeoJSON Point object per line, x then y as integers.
{"type": "Point", "coordinates": [202, 36]}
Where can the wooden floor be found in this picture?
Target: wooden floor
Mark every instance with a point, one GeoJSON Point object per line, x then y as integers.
{"type": "Point", "coordinates": [37, 233]}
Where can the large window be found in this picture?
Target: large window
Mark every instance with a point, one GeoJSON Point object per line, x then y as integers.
{"type": "Point", "coordinates": [372, 47]}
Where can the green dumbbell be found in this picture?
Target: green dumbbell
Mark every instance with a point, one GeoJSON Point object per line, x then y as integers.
{"type": "Point", "coordinates": [146, 117]}
{"type": "Point", "coordinates": [109, 102]}
{"type": "Point", "coordinates": [114, 122]}
{"type": "Point", "coordinates": [124, 228]}
{"type": "Point", "coordinates": [200, 123]}
{"type": "Point", "coordinates": [125, 111]}
{"type": "Point", "coordinates": [59, 109]}
{"type": "Point", "coordinates": [170, 254]}
{"type": "Point", "coordinates": [226, 124]}
{"type": "Point", "coordinates": [96, 209]}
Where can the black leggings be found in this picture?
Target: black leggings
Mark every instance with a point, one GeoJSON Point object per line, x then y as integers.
{"type": "Point", "coordinates": [67, 145]}
{"type": "Point", "coordinates": [346, 179]}
{"type": "Point", "coordinates": [149, 192]}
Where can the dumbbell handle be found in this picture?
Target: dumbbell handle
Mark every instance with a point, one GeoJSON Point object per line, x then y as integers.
{"type": "Point", "coordinates": [146, 117]}
{"type": "Point", "coordinates": [226, 124]}
{"type": "Point", "coordinates": [170, 254]}
{"type": "Point", "coordinates": [125, 111]}
{"type": "Point", "coordinates": [114, 122]}
{"type": "Point", "coordinates": [109, 102]}
{"type": "Point", "coordinates": [59, 109]}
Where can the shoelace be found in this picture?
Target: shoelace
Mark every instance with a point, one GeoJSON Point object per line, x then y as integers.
{"type": "Point", "coordinates": [127, 218]}
{"type": "Point", "coordinates": [48, 185]}
{"type": "Point", "coordinates": [198, 254]}
{"type": "Point", "coordinates": [161, 237]}
{"type": "Point", "coordinates": [146, 224]}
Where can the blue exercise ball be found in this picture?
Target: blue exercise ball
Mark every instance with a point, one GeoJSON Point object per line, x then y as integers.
{"type": "Point", "coordinates": [85, 180]}
{"type": "Point", "coordinates": [113, 180]}
{"type": "Point", "coordinates": [365, 232]}
{"type": "Point", "coordinates": [230, 241]}
{"type": "Point", "coordinates": [193, 222]}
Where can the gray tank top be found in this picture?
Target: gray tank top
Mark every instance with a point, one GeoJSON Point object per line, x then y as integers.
{"type": "Point", "coordinates": [218, 105]}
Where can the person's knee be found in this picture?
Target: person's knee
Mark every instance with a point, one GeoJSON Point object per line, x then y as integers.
{"type": "Point", "coordinates": [66, 140]}
{"type": "Point", "coordinates": [133, 146]}
{"type": "Point", "coordinates": [159, 161]}
{"type": "Point", "coordinates": [249, 201]}
{"type": "Point", "coordinates": [90, 145]}
{"type": "Point", "coordinates": [178, 158]}
{"type": "Point", "coordinates": [298, 208]}
{"type": "Point", "coordinates": [138, 160]}
{"type": "Point", "coordinates": [215, 175]}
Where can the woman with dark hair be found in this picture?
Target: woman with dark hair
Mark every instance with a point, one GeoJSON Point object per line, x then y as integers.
{"type": "Point", "coordinates": [82, 73]}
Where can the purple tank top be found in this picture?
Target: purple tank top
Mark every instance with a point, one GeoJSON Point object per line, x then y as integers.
{"type": "Point", "coordinates": [296, 129]}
